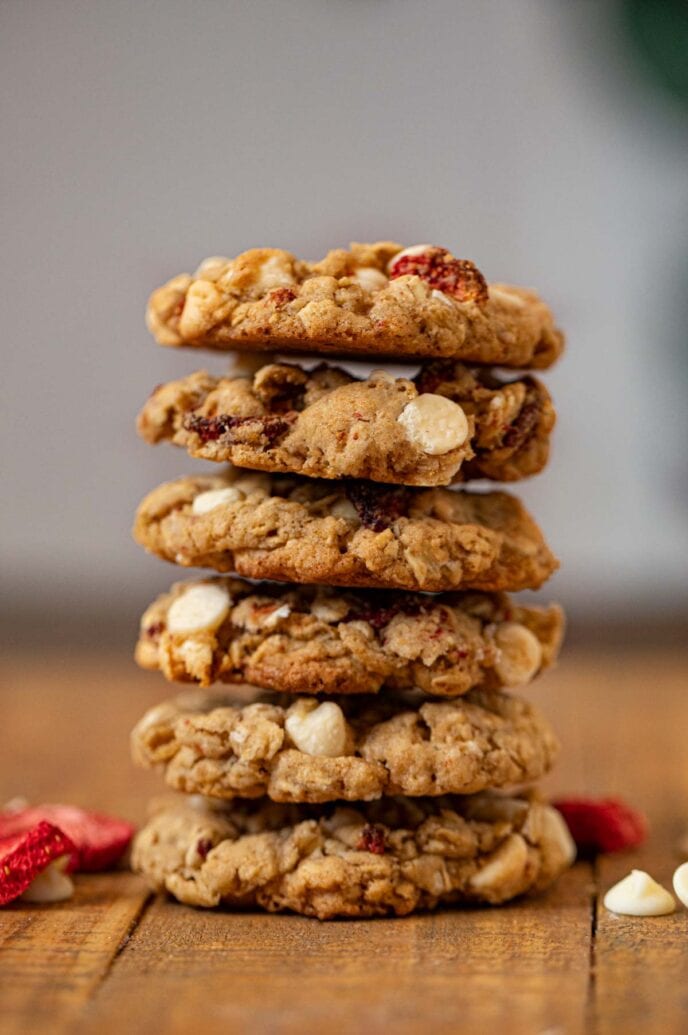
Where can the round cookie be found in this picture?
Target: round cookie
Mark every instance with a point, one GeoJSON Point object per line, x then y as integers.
{"type": "Point", "coordinates": [308, 639]}
{"type": "Point", "coordinates": [349, 749]}
{"type": "Point", "coordinates": [450, 424]}
{"type": "Point", "coordinates": [388, 857]}
{"type": "Point", "coordinates": [376, 300]}
{"type": "Point", "coordinates": [345, 533]}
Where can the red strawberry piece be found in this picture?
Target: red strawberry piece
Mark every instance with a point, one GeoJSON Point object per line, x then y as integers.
{"type": "Point", "coordinates": [603, 824]}
{"type": "Point", "coordinates": [99, 840]}
{"type": "Point", "coordinates": [25, 855]}
{"type": "Point", "coordinates": [459, 278]}
{"type": "Point", "coordinates": [372, 839]}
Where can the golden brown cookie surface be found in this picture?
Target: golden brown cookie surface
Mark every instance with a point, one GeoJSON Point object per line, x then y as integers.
{"type": "Point", "coordinates": [449, 424]}
{"type": "Point", "coordinates": [392, 856]}
{"type": "Point", "coordinates": [351, 534]}
{"type": "Point", "coordinates": [307, 639]}
{"type": "Point", "coordinates": [375, 299]}
{"type": "Point", "coordinates": [348, 749]}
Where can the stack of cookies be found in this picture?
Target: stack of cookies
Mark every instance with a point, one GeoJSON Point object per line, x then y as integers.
{"type": "Point", "coordinates": [367, 757]}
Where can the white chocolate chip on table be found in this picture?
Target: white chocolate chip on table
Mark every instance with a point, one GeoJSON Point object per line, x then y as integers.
{"type": "Point", "coordinates": [200, 607]}
{"type": "Point", "coordinates": [639, 895]}
{"type": "Point", "coordinates": [434, 423]}
{"type": "Point", "coordinates": [317, 729]}
{"type": "Point", "coordinates": [52, 885]}
{"type": "Point", "coordinates": [680, 882]}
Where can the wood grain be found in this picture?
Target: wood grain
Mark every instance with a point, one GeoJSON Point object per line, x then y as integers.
{"type": "Point", "coordinates": [641, 963]}
{"type": "Point", "coordinates": [52, 958]}
{"type": "Point", "coordinates": [112, 958]}
{"type": "Point", "coordinates": [466, 970]}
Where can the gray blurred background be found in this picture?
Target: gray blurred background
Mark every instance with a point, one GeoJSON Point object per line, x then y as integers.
{"type": "Point", "coordinates": [138, 137]}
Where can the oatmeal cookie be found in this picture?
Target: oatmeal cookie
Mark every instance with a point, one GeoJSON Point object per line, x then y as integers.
{"type": "Point", "coordinates": [450, 424]}
{"type": "Point", "coordinates": [349, 748]}
{"type": "Point", "coordinates": [345, 533]}
{"type": "Point", "coordinates": [375, 299]}
{"type": "Point", "coordinates": [391, 856]}
{"type": "Point", "coordinates": [320, 640]}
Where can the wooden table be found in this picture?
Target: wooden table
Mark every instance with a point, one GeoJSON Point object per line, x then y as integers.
{"type": "Point", "coordinates": [116, 959]}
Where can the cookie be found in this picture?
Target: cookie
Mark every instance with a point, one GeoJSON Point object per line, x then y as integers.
{"type": "Point", "coordinates": [308, 640]}
{"type": "Point", "coordinates": [345, 533]}
{"type": "Point", "coordinates": [392, 856]}
{"type": "Point", "coordinates": [348, 748]}
{"type": "Point", "coordinates": [375, 300]}
{"type": "Point", "coordinates": [451, 424]}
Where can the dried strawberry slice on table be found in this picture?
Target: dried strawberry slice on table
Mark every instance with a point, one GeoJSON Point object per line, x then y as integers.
{"type": "Point", "coordinates": [98, 841]}
{"type": "Point", "coordinates": [603, 824]}
{"type": "Point", "coordinates": [26, 855]}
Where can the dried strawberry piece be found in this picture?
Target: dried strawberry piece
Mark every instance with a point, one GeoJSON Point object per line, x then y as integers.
{"type": "Point", "coordinates": [432, 375]}
{"type": "Point", "coordinates": [603, 824]}
{"type": "Point", "coordinates": [379, 611]}
{"type": "Point", "coordinates": [281, 296]}
{"type": "Point", "coordinates": [210, 429]}
{"type": "Point", "coordinates": [26, 854]}
{"type": "Point", "coordinates": [376, 505]}
{"type": "Point", "coordinates": [525, 423]}
{"type": "Point", "coordinates": [97, 841]}
{"type": "Point", "coordinates": [203, 847]}
{"type": "Point", "coordinates": [459, 278]}
{"type": "Point", "coordinates": [372, 839]}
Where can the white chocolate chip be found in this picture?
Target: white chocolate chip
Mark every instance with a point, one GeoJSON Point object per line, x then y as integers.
{"type": "Point", "coordinates": [200, 607]}
{"type": "Point", "coordinates": [201, 300]}
{"type": "Point", "coordinates": [212, 268]}
{"type": "Point", "coordinates": [555, 830]}
{"type": "Point", "coordinates": [197, 802]}
{"type": "Point", "coordinates": [197, 656]}
{"type": "Point", "coordinates": [381, 375]}
{"type": "Point", "coordinates": [328, 608]}
{"type": "Point", "coordinates": [273, 273]}
{"type": "Point", "coordinates": [249, 484]}
{"type": "Point", "coordinates": [283, 611]}
{"type": "Point", "coordinates": [434, 423]}
{"type": "Point", "coordinates": [323, 612]}
{"type": "Point", "coordinates": [52, 885]}
{"type": "Point", "coordinates": [370, 279]}
{"type": "Point", "coordinates": [504, 866]}
{"type": "Point", "coordinates": [639, 895]}
{"type": "Point", "coordinates": [441, 297]}
{"type": "Point", "coordinates": [319, 730]}
{"type": "Point", "coordinates": [680, 883]}
{"type": "Point", "coordinates": [506, 297]}
{"type": "Point", "coordinates": [207, 501]}
{"type": "Point", "coordinates": [17, 804]}
{"type": "Point", "coordinates": [520, 653]}
{"type": "Point", "coordinates": [246, 364]}
{"type": "Point", "coordinates": [416, 249]}
{"type": "Point", "coordinates": [489, 808]}
{"type": "Point", "coordinates": [344, 508]}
